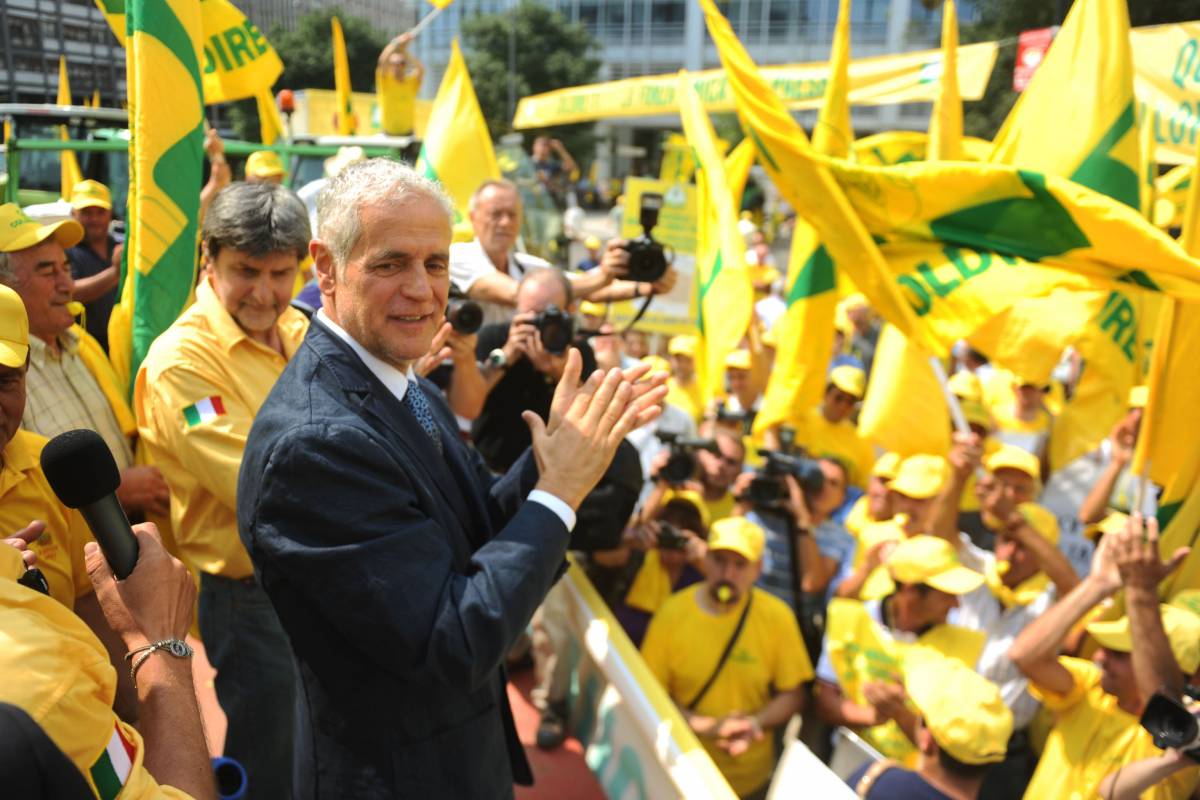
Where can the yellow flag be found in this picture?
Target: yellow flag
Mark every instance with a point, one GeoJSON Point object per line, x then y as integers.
{"type": "Point", "coordinates": [737, 169]}
{"type": "Point", "coordinates": [890, 418]}
{"type": "Point", "coordinates": [1076, 117]}
{"type": "Point", "coordinates": [457, 150]}
{"type": "Point", "coordinates": [724, 294]}
{"type": "Point", "coordinates": [269, 124]}
{"type": "Point", "coordinates": [901, 147]}
{"type": "Point", "coordinates": [1167, 444]}
{"type": "Point", "coordinates": [347, 123]}
{"type": "Point", "coordinates": [96, 98]}
{"type": "Point", "coordinates": [1146, 180]}
{"type": "Point", "coordinates": [946, 123]}
{"type": "Point", "coordinates": [803, 179]}
{"type": "Point", "coordinates": [70, 174]}
{"type": "Point", "coordinates": [804, 334]}
{"type": "Point", "coordinates": [440, 3]}
{"type": "Point", "coordinates": [238, 61]}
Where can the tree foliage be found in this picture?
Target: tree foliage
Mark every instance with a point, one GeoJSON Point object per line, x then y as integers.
{"type": "Point", "coordinates": [1002, 20]}
{"type": "Point", "coordinates": [550, 53]}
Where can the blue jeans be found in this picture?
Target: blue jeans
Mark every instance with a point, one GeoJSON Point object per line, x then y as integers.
{"type": "Point", "coordinates": [256, 681]}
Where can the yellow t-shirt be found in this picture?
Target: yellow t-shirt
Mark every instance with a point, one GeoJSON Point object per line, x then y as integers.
{"type": "Point", "coordinates": [840, 440]}
{"type": "Point", "coordinates": [861, 650]}
{"type": "Point", "coordinates": [763, 274]}
{"type": "Point", "coordinates": [63, 680]}
{"type": "Point", "coordinates": [1091, 738]}
{"type": "Point", "coordinates": [1029, 436]}
{"type": "Point", "coordinates": [25, 495]}
{"type": "Point", "coordinates": [397, 102]}
{"type": "Point", "coordinates": [687, 398]}
{"type": "Point", "coordinates": [196, 395]}
{"type": "Point", "coordinates": [683, 644]}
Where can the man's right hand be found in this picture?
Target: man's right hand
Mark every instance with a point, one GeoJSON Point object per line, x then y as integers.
{"type": "Point", "coordinates": [587, 422]}
{"type": "Point", "coordinates": [23, 538]}
{"type": "Point", "coordinates": [155, 602]}
{"type": "Point", "coordinates": [144, 489]}
{"type": "Point", "coordinates": [966, 453]}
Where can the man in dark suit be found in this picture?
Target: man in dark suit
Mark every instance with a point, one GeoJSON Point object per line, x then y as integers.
{"type": "Point", "coordinates": [401, 569]}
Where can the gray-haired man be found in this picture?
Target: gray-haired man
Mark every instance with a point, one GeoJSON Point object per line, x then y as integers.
{"type": "Point", "coordinates": [196, 395]}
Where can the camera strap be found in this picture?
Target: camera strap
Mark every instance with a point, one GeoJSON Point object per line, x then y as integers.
{"type": "Point", "coordinates": [741, 623]}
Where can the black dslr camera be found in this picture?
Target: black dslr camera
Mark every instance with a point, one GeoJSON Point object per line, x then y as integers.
{"type": "Point", "coordinates": [681, 464]}
{"type": "Point", "coordinates": [1173, 723]}
{"type": "Point", "coordinates": [647, 258]}
{"type": "Point", "coordinates": [767, 489]}
{"type": "Point", "coordinates": [669, 537]}
{"type": "Point", "coordinates": [557, 328]}
{"type": "Point", "coordinates": [463, 314]}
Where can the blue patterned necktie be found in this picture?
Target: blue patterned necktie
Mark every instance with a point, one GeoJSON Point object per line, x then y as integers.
{"type": "Point", "coordinates": [416, 402]}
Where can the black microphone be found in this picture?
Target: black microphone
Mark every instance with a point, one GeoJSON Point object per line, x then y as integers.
{"type": "Point", "coordinates": [81, 471]}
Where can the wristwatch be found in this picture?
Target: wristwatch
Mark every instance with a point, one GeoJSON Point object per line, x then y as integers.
{"type": "Point", "coordinates": [497, 359]}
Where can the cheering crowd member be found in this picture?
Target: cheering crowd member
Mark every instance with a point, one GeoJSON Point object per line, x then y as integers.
{"type": "Point", "coordinates": [401, 569]}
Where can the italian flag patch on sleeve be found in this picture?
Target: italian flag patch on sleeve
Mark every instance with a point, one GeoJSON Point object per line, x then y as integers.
{"type": "Point", "coordinates": [203, 411]}
{"type": "Point", "coordinates": [111, 770]}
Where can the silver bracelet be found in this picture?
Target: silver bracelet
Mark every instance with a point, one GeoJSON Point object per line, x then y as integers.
{"type": "Point", "coordinates": [176, 647]}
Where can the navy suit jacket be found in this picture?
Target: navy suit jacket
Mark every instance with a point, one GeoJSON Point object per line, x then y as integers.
{"type": "Point", "coordinates": [401, 577]}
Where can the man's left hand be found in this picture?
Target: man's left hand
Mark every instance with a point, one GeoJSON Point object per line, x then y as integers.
{"type": "Point", "coordinates": [737, 732]}
{"type": "Point", "coordinates": [543, 360]}
{"type": "Point", "coordinates": [666, 283]}
{"type": "Point", "coordinates": [614, 263]}
{"type": "Point", "coordinates": [439, 351]}
{"type": "Point", "coordinates": [1135, 551]}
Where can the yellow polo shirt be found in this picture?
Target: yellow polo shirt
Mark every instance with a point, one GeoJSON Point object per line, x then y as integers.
{"type": "Point", "coordinates": [195, 397]}
{"type": "Point", "coordinates": [63, 680]}
{"type": "Point", "coordinates": [1091, 738]}
{"type": "Point", "coordinates": [684, 643]}
{"type": "Point", "coordinates": [839, 440]}
{"type": "Point", "coordinates": [25, 495]}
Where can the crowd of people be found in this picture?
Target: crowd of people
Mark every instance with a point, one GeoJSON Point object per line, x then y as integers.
{"type": "Point", "coordinates": [946, 625]}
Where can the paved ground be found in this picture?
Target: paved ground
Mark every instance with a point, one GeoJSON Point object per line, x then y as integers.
{"type": "Point", "coordinates": [561, 773]}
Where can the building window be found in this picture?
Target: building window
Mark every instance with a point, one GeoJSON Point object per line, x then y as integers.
{"type": "Point", "coordinates": [24, 32]}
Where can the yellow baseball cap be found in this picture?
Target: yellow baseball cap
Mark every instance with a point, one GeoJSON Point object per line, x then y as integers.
{"type": "Point", "coordinates": [19, 231]}
{"type": "Point", "coordinates": [849, 379]}
{"type": "Point", "coordinates": [591, 309]}
{"type": "Point", "coordinates": [592, 243]}
{"type": "Point", "coordinates": [966, 385]}
{"type": "Point", "coordinates": [264, 164]}
{"type": "Point", "coordinates": [1009, 456]}
{"type": "Point", "coordinates": [856, 300]}
{"type": "Point", "coordinates": [739, 359]}
{"type": "Point", "coordinates": [933, 561]}
{"type": "Point", "coordinates": [962, 710]}
{"type": "Point", "coordinates": [688, 496]}
{"type": "Point", "coordinates": [920, 477]}
{"type": "Point", "coordinates": [91, 194]}
{"type": "Point", "coordinates": [1188, 599]}
{"type": "Point", "coordinates": [1183, 632]}
{"type": "Point", "coordinates": [657, 364]}
{"type": "Point", "coordinates": [739, 535]}
{"type": "Point", "coordinates": [682, 346]}
{"type": "Point", "coordinates": [1041, 519]}
{"type": "Point", "coordinates": [886, 466]}
{"type": "Point", "coordinates": [14, 329]}
{"type": "Point", "coordinates": [1138, 395]}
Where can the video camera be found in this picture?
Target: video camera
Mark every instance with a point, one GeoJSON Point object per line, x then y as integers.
{"type": "Point", "coordinates": [647, 257]}
{"type": "Point", "coordinates": [669, 537]}
{"type": "Point", "coordinates": [681, 464]}
{"type": "Point", "coordinates": [463, 314]}
{"type": "Point", "coordinates": [767, 489]}
{"type": "Point", "coordinates": [1175, 723]}
{"type": "Point", "coordinates": [557, 328]}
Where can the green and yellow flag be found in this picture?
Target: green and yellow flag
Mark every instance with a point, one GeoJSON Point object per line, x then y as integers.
{"type": "Point", "coordinates": [804, 334]}
{"type": "Point", "coordinates": [347, 123]}
{"type": "Point", "coordinates": [166, 127]}
{"type": "Point", "coordinates": [900, 147]}
{"type": "Point", "coordinates": [724, 294]}
{"type": "Point", "coordinates": [1077, 116]}
{"type": "Point", "coordinates": [946, 122]}
{"type": "Point", "coordinates": [1170, 196]}
{"type": "Point", "coordinates": [70, 173]}
{"type": "Point", "coordinates": [457, 151]}
{"type": "Point", "coordinates": [804, 180]}
{"type": "Point", "coordinates": [238, 61]}
{"type": "Point", "coordinates": [737, 169]}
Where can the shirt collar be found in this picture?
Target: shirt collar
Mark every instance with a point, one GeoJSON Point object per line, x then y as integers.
{"type": "Point", "coordinates": [395, 380]}
{"type": "Point", "coordinates": [39, 351]}
{"type": "Point", "coordinates": [229, 333]}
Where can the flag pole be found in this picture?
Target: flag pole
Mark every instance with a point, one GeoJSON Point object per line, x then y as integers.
{"type": "Point", "coordinates": [956, 412]}
{"type": "Point", "coordinates": [428, 18]}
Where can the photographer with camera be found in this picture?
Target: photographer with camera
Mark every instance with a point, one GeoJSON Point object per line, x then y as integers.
{"type": "Point", "coordinates": [522, 363]}
{"type": "Point", "coordinates": [709, 464]}
{"type": "Point", "coordinates": [489, 268]}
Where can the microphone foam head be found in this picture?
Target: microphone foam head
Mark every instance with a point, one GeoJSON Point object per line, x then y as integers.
{"type": "Point", "coordinates": [80, 467]}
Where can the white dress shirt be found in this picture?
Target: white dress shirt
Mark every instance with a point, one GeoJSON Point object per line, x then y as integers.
{"type": "Point", "coordinates": [397, 383]}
